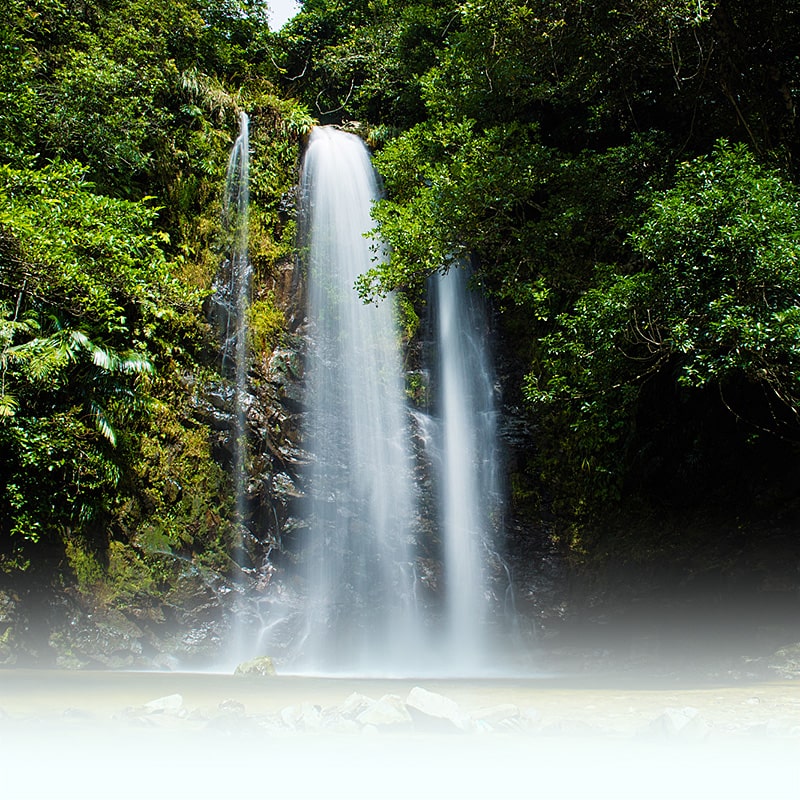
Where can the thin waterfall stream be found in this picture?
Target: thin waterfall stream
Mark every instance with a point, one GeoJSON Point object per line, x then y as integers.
{"type": "Point", "coordinates": [468, 463]}
{"type": "Point", "coordinates": [236, 206]}
{"type": "Point", "coordinates": [231, 299]}
{"type": "Point", "coordinates": [229, 313]}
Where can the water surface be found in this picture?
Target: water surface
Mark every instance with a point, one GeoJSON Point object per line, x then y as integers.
{"type": "Point", "coordinates": [73, 735]}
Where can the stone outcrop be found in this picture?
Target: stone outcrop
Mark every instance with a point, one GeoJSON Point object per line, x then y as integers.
{"type": "Point", "coordinates": [785, 662]}
{"type": "Point", "coordinates": [261, 667]}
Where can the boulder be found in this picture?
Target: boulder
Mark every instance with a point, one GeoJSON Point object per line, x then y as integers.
{"type": "Point", "coordinates": [305, 717]}
{"type": "Point", "coordinates": [231, 707]}
{"type": "Point", "coordinates": [431, 711]}
{"type": "Point", "coordinates": [171, 703]}
{"type": "Point", "coordinates": [261, 667]}
{"type": "Point", "coordinates": [678, 723]}
{"type": "Point", "coordinates": [353, 706]}
{"type": "Point", "coordinates": [505, 716]}
{"type": "Point", "coordinates": [499, 713]}
{"type": "Point", "coordinates": [390, 712]}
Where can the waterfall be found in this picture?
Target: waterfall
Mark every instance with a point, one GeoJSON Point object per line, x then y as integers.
{"type": "Point", "coordinates": [360, 615]}
{"type": "Point", "coordinates": [236, 206]}
{"type": "Point", "coordinates": [467, 462]}
{"type": "Point", "coordinates": [231, 298]}
{"type": "Point", "coordinates": [231, 301]}
{"type": "Point", "coordinates": [230, 305]}
{"type": "Point", "coordinates": [389, 572]}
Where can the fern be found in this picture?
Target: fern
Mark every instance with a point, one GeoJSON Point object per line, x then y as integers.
{"type": "Point", "coordinates": [98, 378]}
{"type": "Point", "coordinates": [8, 405]}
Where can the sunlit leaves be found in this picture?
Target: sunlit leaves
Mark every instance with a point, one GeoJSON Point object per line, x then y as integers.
{"type": "Point", "coordinates": [8, 405]}
{"type": "Point", "coordinates": [726, 245]}
{"type": "Point", "coordinates": [86, 288]}
{"type": "Point", "coordinates": [715, 301]}
{"type": "Point", "coordinates": [79, 248]}
{"type": "Point", "coordinates": [538, 219]}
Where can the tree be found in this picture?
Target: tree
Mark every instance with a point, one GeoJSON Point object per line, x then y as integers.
{"type": "Point", "coordinates": [711, 301]}
{"type": "Point", "coordinates": [562, 150]}
{"type": "Point", "coordinates": [363, 59]}
{"type": "Point", "coordinates": [88, 306]}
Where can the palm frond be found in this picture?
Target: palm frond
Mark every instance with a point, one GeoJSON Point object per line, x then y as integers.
{"type": "Point", "coordinates": [103, 424]}
{"type": "Point", "coordinates": [135, 364]}
{"type": "Point", "coordinates": [8, 406]}
{"type": "Point", "coordinates": [103, 358]}
{"type": "Point", "coordinates": [39, 357]}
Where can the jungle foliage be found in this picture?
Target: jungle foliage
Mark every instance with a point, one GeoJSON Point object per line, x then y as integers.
{"type": "Point", "coordinates": [622, 173]}
{"type": "Point", "coordinates": [623, 176]}
{"type": "Point", "coordinates": [116, 120]}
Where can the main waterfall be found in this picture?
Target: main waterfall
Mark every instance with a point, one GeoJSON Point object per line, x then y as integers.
{"type": "Point", "coordinates": [358, 562]}
{"type": "Point", "coordinates": [388, 572]}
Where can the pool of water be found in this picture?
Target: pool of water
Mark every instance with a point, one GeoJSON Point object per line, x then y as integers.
{"type": "Point", "coordinates": [83, 735]}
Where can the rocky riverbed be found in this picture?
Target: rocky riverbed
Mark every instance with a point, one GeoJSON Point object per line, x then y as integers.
{"type": "Point", "coordinates": [137, 735]}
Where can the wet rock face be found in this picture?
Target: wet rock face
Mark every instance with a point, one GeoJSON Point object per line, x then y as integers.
{"type": "Point", "coordinates": [285, 372]}
{"type": "Point", "coordinates": [105, 639]}
{"type": "Point", "coordinates": [273, 415]}
{"type": "Point", "coordinates": [785, 662]}
{"type": "Point", "coordinates": [185, 627]}
{"type": "Point", "coordinates": [261, 667]}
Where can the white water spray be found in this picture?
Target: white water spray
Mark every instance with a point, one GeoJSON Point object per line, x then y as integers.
{"type": "Point", "coordinates": [467, 462]}
{"type": "Point", "coordinates": [361, 613]}
{"type": "Point", "coordinates": [230, 307]}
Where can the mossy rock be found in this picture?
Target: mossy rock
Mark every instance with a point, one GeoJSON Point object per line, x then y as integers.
{"type": "Point", "coordinates": [786, 662]}
{"type": "Point", "coordinates": [261, 667]}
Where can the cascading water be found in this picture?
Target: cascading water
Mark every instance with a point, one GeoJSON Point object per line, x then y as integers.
{"type": "Point", "coordinates": [361, 615]}
{"type": "Point", "coordinates": [237, 205]}
{"type": "Point", "coordinates": [230, 306]}
{"type": "Point", "coordinates": [467, 461]}
{"type": "Point", "coordinates": [234, 290]}
{"type": "Point", "coordinates": [232, 285]}
{"type": "Point", "coordinates": [393, 574]}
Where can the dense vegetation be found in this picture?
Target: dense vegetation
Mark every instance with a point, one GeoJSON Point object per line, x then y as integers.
{"type": "Point", "coordinates": [623, 176]}
{"type": "Point", "coordinates": [117, 120]}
